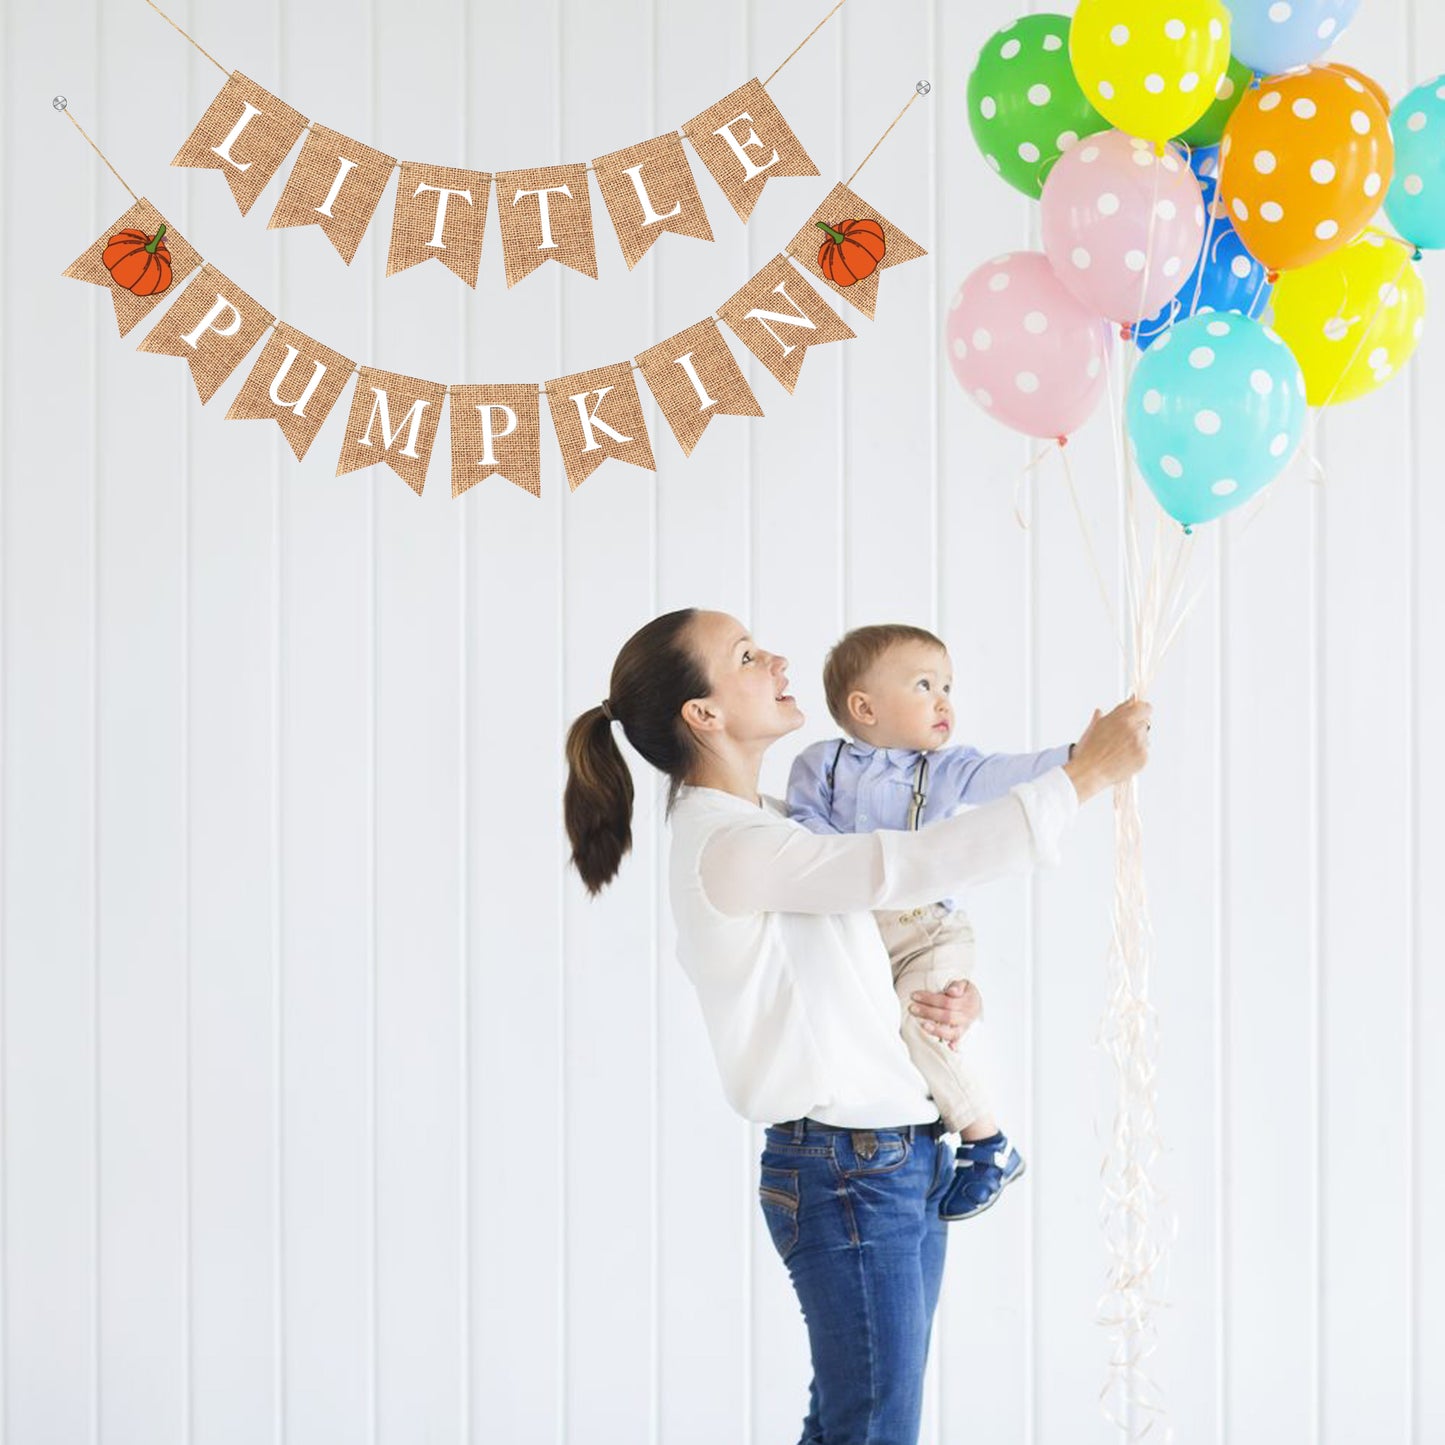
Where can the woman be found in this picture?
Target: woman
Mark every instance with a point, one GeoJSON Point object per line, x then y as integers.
{"type": "Point", "coordinates": [775, 929]}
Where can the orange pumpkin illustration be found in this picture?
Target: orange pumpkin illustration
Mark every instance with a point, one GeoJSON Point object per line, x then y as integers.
{"type": "Point", "coordinates": [851, 252]}
{"type": "Point", "coordinates": [138, 262]}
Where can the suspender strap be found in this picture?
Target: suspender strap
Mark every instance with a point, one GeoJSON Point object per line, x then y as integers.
{"type": "Point", "coordinates": [920, 792]}
{"type": "Point", "coordinates": [833, 766]}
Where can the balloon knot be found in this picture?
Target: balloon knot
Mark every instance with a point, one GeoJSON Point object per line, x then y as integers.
{"type": "Point", "coordinates": [1126, 332]}
{"type": "Point", "coordinates": [1271, 276]}
{"type": "Point", "coordinates": [1063, 441]}
{"type": "Point", "coordinates": [1188, 531]}
{"type": "Point", "coordinates": [1419, 255]}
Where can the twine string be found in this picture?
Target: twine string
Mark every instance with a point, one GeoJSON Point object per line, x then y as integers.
{"type": "Point", "coordinates": [804, 41]}
{"type": "Point", "coordinates": [918, 91]}
{"type": "Point", "coordinates": [99, 152]}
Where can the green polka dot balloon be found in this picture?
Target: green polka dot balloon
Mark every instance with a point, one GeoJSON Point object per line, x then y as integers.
{"type": "Point", "coordinates": [1208, 130]}
{"type": "Point", "coordinates": [1025, 107]}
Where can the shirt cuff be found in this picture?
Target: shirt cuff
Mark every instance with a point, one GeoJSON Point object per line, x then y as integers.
{"type": "Point", "coordinates": [1050, 804]}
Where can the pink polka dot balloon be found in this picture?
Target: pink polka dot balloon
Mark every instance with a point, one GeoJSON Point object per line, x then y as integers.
{"type": "Point", "coordinates": [1024, 349]}
{"type": "Point", "coordinates": [1122, 225]}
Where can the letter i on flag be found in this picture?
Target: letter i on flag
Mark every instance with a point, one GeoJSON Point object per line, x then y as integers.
{"type": "Point", "coordinates": [694, 377]}
{"type": "Point", "coordinates": [336, 184]}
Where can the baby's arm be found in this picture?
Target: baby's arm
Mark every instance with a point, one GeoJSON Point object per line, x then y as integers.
{"type": "Point", "coordinates": [810, 796]}
{"type": "Point", "coordinates": [965, 775]}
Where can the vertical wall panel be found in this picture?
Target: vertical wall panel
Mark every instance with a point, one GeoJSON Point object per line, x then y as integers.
{"type": "Point", "coordinates": [333, 1109]}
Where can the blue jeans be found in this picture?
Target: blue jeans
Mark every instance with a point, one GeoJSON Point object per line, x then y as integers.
{"type": "Point", "coordinates": [854, 1215]}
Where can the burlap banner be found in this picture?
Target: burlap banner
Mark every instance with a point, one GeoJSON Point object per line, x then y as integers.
{"type": "Point", "coordinates": [848, 245]}
{"type": "Point", "coordinates": [546, 212]}
{"type": "Point", "coordinates": [596, 415]}
{"type": "Point", "coordinates": [336, 184]}
{"type": "Point", "coordinates": [649, 189]}
{"type": "Point", "coordinates": [394, 419]}
{"type": "Point", "coordinates": [295, 383]}
{"type": "Point", "coordinates": [496, 431]}
{"type": "Point", "coordinates": [141, 260]}
{"type": "Point", "coordinates": [778, 316]}
{"type": "Point", "coordinates": [546, 215]}
{"type": "Point", "coordinates": [441, 214]}
{"type": "Point", "coordinates": [245, 134]}
{"type": "Point", "coordinates": [694, 378]}
{"type": "Point", "coordinates": [745, 142]}
{"type": "Point", "coordinates": [213, 325]}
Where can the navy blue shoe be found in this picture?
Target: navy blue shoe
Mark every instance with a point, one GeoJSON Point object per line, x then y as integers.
{"type": "Point", "coordinates": [985, 1168]}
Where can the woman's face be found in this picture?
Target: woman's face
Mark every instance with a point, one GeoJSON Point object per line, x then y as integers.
{"type": "Point", "coordinates": [749, 701]}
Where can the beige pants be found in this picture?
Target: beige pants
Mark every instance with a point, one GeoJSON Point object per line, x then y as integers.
{"type": "Point", "coordinates": [929, 948]}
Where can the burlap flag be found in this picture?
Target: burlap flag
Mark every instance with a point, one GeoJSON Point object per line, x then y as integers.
{"type": "Point", "coordinates": [778, 316]}
{"type": "Point", "coordinates": [440, 212]}
{"type": "Point", "coordinates": [394, 419]}
{"type": "Point", "coordinates": [546, 215]}
{"type": "Point", "coordinates": [598, 414]}
{"type": "Point", "coordinates": [850, 258]}
{"type": "Point", "coordinates": [744, 141]}
{"type": "Point", "coordinates": [496, 431]}
{"type": "Point", "coordinates": [213, 325]}
{"type": "Point", "coordinates": [694, 378]}
{"type": "Point", "coordinates": [245, 134]}
{"type": "Point", "coordinates": [336, 184]}
{"type": "Point", "coordinates": [124, 244]}
{"type": "Point", "coordinates": [649, 189]}
{"type": "Point", "coordinates": [295, 383]}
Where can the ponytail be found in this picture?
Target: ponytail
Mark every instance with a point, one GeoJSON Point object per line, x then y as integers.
{"type": "Point", "coordinates": [597, 802]}
{"type": "Point", "coordinates": [655, 673]}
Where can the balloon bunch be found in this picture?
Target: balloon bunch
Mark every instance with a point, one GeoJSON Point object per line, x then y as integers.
{"type": "Point", "coordinates": [1201, 171]}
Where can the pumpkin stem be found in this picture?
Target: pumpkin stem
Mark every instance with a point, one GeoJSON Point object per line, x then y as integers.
{"type": "Point", "coordinates": [151, 245]}
{"type": "Point", "coordinates": [837, 237]}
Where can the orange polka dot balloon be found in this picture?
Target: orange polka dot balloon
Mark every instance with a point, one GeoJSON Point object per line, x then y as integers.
{"type": "Point", "coordinates": [1306, 161]}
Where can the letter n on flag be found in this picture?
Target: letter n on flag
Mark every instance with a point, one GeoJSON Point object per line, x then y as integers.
{"type": "Point", "coordinates": [778, 316]}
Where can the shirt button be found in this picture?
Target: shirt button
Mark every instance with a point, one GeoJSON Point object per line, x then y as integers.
{"type": "Point", "coordinates": [862, 817]}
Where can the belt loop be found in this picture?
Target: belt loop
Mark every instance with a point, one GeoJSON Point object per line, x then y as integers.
{"type": "Point", "coordinates": [797, 1131]}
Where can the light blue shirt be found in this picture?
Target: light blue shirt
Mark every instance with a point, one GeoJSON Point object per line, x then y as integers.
{"type": "Point", "coordinates": [872, 788]}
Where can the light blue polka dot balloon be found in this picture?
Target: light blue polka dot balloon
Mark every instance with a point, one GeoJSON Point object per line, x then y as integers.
{"type": "Point", "coordinates": [1215, 410]}
{"type": "Point", "coordinates": [1274, 35]}
{"type": "Point", "coordinates": [1415, 203]}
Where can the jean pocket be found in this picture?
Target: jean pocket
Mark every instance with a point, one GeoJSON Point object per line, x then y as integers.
{"type": "Point", "coordinates": [875, 1151]}
{"type": "Point", "coordinates": [778, 1196]}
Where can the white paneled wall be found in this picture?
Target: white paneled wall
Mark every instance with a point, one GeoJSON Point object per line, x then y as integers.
{"type": "Point", "coordinates": [332, 1110]}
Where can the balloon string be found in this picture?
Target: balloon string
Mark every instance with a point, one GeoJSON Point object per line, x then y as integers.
{"type": "Point", "coordinates": [1087, 532]}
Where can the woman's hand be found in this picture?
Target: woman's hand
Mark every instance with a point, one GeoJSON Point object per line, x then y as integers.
{"type": "Point", "coordinates": [947, 1015]}
{"type": "Point", "coordinates": [1113, 748]}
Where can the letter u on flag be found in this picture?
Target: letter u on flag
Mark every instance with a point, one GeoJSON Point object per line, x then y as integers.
{"type": "Point", "coordinates": [598, 414]}
{"type": "Point", "coordinates": [245, 134]}
{"type": "Point", "coordinates": [295, 383]}
{"type": "Point", "coordinates": [778, 316]}
{"type": "Point", "coordinates": [394, 419]}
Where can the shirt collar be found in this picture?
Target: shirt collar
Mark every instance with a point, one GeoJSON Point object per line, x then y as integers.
{"type": "Point", "coordinates": [903, 760]}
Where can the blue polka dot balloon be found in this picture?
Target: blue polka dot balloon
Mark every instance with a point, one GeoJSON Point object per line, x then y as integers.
{"type": "Point", "coordinates": [1225, 278]}
{"type": "Point", "coordinates": [1216, 410]}
{"type": "Point", "coordinates": [1415, 202]}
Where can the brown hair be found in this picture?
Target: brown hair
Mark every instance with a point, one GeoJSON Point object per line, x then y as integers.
{"type": "Point", "coordinates": [655, 673]}
{"type": "Point", "coordinates": [852, 655]}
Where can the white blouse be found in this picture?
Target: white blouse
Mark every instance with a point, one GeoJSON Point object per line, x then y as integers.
{"type": "Point", "coordinates": [775, 929]}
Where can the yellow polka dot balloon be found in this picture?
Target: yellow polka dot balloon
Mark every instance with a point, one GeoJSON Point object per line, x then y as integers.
{"type": "Point", "coordinates": [1352, 318]}
{"type": "Point", "coordinates": [1150, 67]}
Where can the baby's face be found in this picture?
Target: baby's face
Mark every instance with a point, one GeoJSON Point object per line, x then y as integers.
{"type": "Point", "coordinates": [904, 701]}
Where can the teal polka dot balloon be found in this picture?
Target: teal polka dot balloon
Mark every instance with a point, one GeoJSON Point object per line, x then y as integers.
{"type": "Point", "coordinates": [1215, 411]}
{"type": "Point", "coordinates": [1415, 203]}
{"type": "Point", "coordinates": [1025, 107]}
